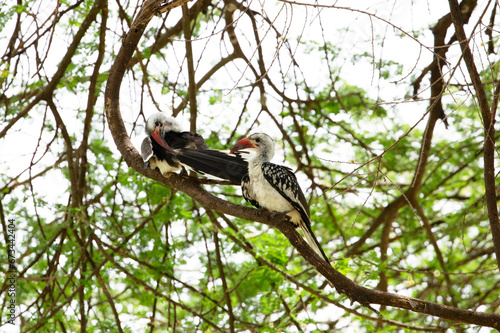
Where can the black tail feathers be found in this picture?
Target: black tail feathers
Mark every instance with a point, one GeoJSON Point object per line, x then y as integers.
{"type": "Point", "coordinates": [215, 163]}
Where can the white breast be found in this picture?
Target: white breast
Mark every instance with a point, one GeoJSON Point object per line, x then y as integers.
{"type": "Point", "coordinates": [163, 166]}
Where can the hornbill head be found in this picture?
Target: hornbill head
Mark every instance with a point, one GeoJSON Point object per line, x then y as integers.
{"type": "Point", "coordinates": [261, 143]}
{"type": "Point", "coordinates": [158, 124]}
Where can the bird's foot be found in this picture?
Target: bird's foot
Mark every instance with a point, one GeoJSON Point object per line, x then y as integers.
{"type": "Point", "coordinates": [184, 172]}
{"type": "Point", "coordinates": [275, 214]}
{"type": "Point", "coordinates": [259, 210]}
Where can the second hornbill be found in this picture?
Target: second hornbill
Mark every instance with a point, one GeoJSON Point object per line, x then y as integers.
{"type": "Point", "coordinates": [169, 149]}
{"type": "Point", "coordinates": [275, 187]}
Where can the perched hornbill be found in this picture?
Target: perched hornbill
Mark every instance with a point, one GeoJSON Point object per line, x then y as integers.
{"type": "Point", "coordinates": [169, 149]}
{"type": "Point", "coordinates": [275, 187]}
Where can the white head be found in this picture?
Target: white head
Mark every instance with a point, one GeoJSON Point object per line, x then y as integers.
{"type": "Point", "coordinates": [163, 123]}
{"type": "Point", "coordinates": [158, 124]}
{"type": "Point", "coordinates": [261, 143]}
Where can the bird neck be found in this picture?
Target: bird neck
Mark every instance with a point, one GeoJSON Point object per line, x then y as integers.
{"type": "Point", "coordinates": [259, 158]}
{"type": "Point", "coordinates": [264, 158]}
{"type": "Point", "coordinates": [255, 168]}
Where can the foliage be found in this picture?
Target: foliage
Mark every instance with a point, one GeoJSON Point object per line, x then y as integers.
{"type": "Point", "coordinates": [101, 248]}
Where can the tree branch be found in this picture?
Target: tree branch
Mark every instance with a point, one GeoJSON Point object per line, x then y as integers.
{"type": "Point", "coordinates": [488, 123]}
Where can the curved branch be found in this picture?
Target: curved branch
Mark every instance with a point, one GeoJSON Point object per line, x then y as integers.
{"type": "Point", "coordinates": [192, 188]}
{"type": "Point", "coordinates": [488, 115]}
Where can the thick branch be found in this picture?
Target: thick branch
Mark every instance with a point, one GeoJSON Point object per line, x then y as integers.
{"type": "Point", "coordinates": [193, 108]}
{"type": "Point", "coordinates": [489, 129]}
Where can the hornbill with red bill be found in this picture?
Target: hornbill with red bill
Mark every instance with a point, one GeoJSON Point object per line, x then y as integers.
{"type": "Point", "coordinates": [275, 187]}
{"type": "Point", "coordinates": [170, 149]}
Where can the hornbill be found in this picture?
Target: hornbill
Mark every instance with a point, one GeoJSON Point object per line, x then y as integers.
{"type": "Point", "coordinates": [169, 149]}
{"type": "Point", "coordinates": [275, 187]}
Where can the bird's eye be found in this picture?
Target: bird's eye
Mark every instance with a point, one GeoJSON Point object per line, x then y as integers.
{"type": "Point", "coordinates": [257, 140]}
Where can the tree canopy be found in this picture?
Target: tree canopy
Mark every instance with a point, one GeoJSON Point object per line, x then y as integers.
{"type": "Point", "coordinates": [385, 110]}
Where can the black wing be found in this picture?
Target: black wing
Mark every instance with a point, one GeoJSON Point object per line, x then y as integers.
{"type": "Point", "coordinates": [216, 163]}
{"type": "Point", "coordinates": [283, 180]}
{"type": "Point", "coordinates": [247, 191]}
{"type": "Point", "coordinates": [179, 140]}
